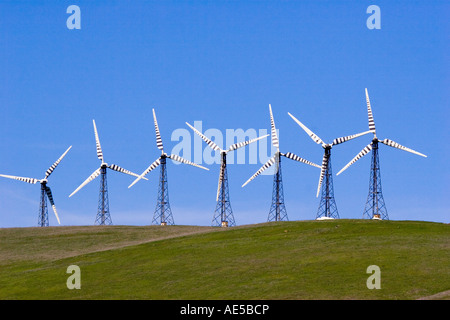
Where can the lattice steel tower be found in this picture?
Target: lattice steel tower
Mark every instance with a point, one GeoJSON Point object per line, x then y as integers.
{"type": "Point", "coordinates": [43, 210]}
{"type": "Point", "coordinates": [163, 213]}
{"type": "Point", "coordinates": [327, 206]}
{"type": "Point", "coordinates": [375, 207]}
{"type": "Point", "coordinates": [223, 215]}
{"type": "Point", "coordinates": [103, 217]}
{"type": "Point", "coordinates": [277, 210]}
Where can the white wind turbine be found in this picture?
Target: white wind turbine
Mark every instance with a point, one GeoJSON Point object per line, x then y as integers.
{"type": "Point", "coordinates": [327, 207]}
{"type": "Point", "coordinates": [163, 213]}
{"type": "Point", "coordinates": [45, 191]}
{"type": "Point", "coordinates": [103, 215]}
{"type": "Point", "coordinates": [277, 210]}
{"type": "Point", "coordinates": [223, 214]}
{"type": "Point", "coordinates": [375, 206]}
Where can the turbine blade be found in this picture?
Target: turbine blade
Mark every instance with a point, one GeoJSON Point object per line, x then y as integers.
{"type": "Point", "coordinates": [361, 154]}
{"type": "Point", "coordinates": [370, 115]}
{"type": "Point", "coordinates": [115, 167]}
{"type": "Point", "coordinates": [208, 141]}
{"type": "Point", "coordinates": [97, 143]}
{"type": "Point", "coordinates": [182, 160]}
{"type": "Point", "coordinates": [94, 175]}
{"type": "Point", "coordinates": [292, 156]}
{"type": "Point", "coordinates": [28, 180]}
{"type": "Point", "coordinates": [275, 140]}
{"type": "Point", "coordinates": [322, 173]}
{"type": "Point", "coordinates": [313, 136]}
{"type": "Point", "coordinates": [50, 198]}
{"type": "Point", "coordinates": [348, 138]}
{"type": "Point", "coordinates": [150, 168]}
{"type": "Point", "coordinates": [50, 170]}
{"type": "Point", "coordinates": [159, 143]}
{"type": "Point", "coordinates": [269, 163]}
{"type": "Point", "coordinates": [221, 175]}
{"type": "Point", "coordinates": [399, 146]}
{"type": "Point", "coordinates": [243, 144]}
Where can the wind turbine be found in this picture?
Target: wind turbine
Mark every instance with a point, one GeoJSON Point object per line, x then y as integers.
{"type": "Point", "coordinates": [103, 216]}
{"type": "Point", "coordinates": [375, 207]}
{"type": "Point", "coordinates": [223, 215]}
{"type": "Point", "coordinates": [277, 210]}
{"type": "Point", "coordinates": [163, 213]}
{"type": "Point", "coordinates": [45, 191]}
{"type": "Point", "coordinates": [327, 208]}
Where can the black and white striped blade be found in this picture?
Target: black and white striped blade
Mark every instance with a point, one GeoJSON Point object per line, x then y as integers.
{"type": "Point", "coordinates": [348, 138]}
{"type": "Point", "coordinates": [159, 143]}
{"type": "Point", "coordinates": [182, 160]}
{"type": "Point", "coordinates": [115, 167]}
{"type": "Point", "coordinates": [399, 146]}
{"type": "Point", "coordinates": [295, 157]}
{"type": "Point", "coordinates": [50, 198]}
{"type": "Point", "coordinates": [221, 175]}
{"type": "Point", "coordinates": [97, 143]}
{"type": "Point", "coordinates": [211, 144]}
{"type": "Point", "coordinates": [322, 172]}
{"type": "Point", "coordinates": [243, 144]}
{"type": "Point", "coordinates": [154, 164]}
{"type": "Point", "coordinates": [275, 141]}
{"type": "Point", "coordinates": [94, 175]}
{"type": "Point", "coordinates": [313, 136]}
{"type": "Point", "coordinates": [50, 170]}
{"type": "Point", "coordinates": [24, 179]}
{"type": "Point", "coordinates": [361, 154]}
{"type": "Point", "coordinates": [370, 115]}
{"type": "Point", "coordinates": [268, 164]}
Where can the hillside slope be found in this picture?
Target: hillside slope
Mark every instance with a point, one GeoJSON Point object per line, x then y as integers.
{"type": "Point", "coordinates": [283, 260]}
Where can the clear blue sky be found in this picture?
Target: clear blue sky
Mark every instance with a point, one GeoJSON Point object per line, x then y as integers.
{"type": "Point", "coordinates": [221, 62]}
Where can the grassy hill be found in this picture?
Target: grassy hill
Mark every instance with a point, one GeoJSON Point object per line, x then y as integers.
{"type": "Point", "coordinates": [283, 260]}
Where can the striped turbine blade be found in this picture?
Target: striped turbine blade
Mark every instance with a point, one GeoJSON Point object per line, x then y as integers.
{"type": "Point", "coordinates": [399, 146]}
{"type": "Point", "coordinates": [182, 160]}
{"type": "Point", "coordinates": [150, 168]}
{"type": "Point", "coordinates": [211, 144]}
{"type": "Point", "coordinates": [50, 170]}
{"type": "Point", "coordinates": [159, 143]}
{"type": "Point", "coordinates": [370, 115]}
{"type": "Point", "coordinates": [292, 156]}
{"type": "Point", "coordinates": [322, 173]}
{"type": "Point", "coordinates": [313, 136]}
{"type": "Point", "coordinates": [94, 175]}
{"type": "Point", "coordinates": [119, 169]}
{"type": "Point", "coordinates": [269, 163]}
{"type": "Point", "coordinates": [243, 144]}
{"type": "Point", "coordinates": [50, 198]}
{"type": "Point", "coordinates": [363, 152]}
{"type": "Point", "coordinates": [97, 142]}
{"type": "Point", "coordinates": [27, 180]}
{"type": "Point", "coordinates": [347, 138]}
{"type": "Point", "coordinates": [275, 141]}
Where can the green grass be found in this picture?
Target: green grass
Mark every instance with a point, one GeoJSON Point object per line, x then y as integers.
{"type": "Point", "coordinates": [284, 260]}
